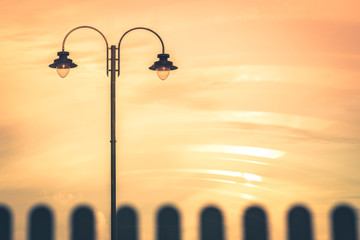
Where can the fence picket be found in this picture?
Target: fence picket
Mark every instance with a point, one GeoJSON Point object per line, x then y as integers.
{"type": "Point", "coordinates": [127, 224]}
{"type": "Point", "coordinates": [343, 219]}
{"type": "Point", "coordinates": [168, 224]}
{"type": "Point", "coordinates": [212, 227]}
{"type": "Point", "coordinates": [41, 223]}
{"type": "Point", "coordinates": [82, 224]}
{"type": "Point", "coordinates": [5, 223]}
{"type": "Point", "coordinates": [299, 224]}
{"type": "Point", "coordinates": [255, 224]}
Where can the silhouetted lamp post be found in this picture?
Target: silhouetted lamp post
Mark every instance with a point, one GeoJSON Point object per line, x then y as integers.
{"type": "Point", "coordinates": [162, 68]}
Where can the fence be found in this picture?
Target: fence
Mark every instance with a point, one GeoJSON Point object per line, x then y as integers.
{"type": "Point", "coordinates": [255, 226]}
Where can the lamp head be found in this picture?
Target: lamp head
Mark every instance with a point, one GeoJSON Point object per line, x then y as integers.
{"type": "Point", "coordinates": [163, 66]}
{"type": "Point", "coordinates": [63, 64]}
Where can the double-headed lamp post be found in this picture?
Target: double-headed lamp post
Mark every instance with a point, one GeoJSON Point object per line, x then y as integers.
{"type": "Point", "coordinates": [162, 68]}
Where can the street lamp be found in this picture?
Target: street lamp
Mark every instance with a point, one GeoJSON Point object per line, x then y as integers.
{"type": "Point", "coordinates": [162, 68]}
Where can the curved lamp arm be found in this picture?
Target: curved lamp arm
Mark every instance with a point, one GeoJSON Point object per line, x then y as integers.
{"type": "Point", "coordinates": [107, 45]}
{"type": "Point", "coordinates": [162, 43]}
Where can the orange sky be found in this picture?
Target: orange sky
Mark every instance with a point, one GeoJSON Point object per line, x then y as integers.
{"type": "Point", "coordinates": [263, 109]}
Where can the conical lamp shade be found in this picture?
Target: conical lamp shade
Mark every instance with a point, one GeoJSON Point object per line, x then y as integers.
{"type": "Point", "coordinates": [63, 64]}
{"type": "Point", "coordinates": [163, 66]}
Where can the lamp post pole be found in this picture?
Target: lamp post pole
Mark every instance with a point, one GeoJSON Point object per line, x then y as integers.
{"type": "Point", "coordinates": [162, 68]}
{"type": "Point", "coordinates": [113, 144]}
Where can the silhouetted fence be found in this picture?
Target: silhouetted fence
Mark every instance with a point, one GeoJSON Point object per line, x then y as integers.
{"type": "Point", "coordinates": [168, 224]}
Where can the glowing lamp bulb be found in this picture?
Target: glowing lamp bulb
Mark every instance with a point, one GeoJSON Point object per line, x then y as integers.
{"type": "Point", "coordinates": [63, 69]}
{"type": "Point", "coordinates": [163, 72]}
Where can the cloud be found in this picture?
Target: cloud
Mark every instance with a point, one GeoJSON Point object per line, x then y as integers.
{"type": "Point", "coordinates": [10, 144]}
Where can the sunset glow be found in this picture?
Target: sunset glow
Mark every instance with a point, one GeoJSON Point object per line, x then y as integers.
{"type": "Point", "coordinates": [241, 150]}
{"type": "Point", "coordinates": [264, 109]}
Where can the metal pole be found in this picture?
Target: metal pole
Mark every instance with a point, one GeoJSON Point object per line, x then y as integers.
{"type": "Point", "coordinates": [113, 142]}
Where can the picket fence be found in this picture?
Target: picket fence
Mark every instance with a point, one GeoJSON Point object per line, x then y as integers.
{"type": "Point", "coordinates": [343, 220]}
